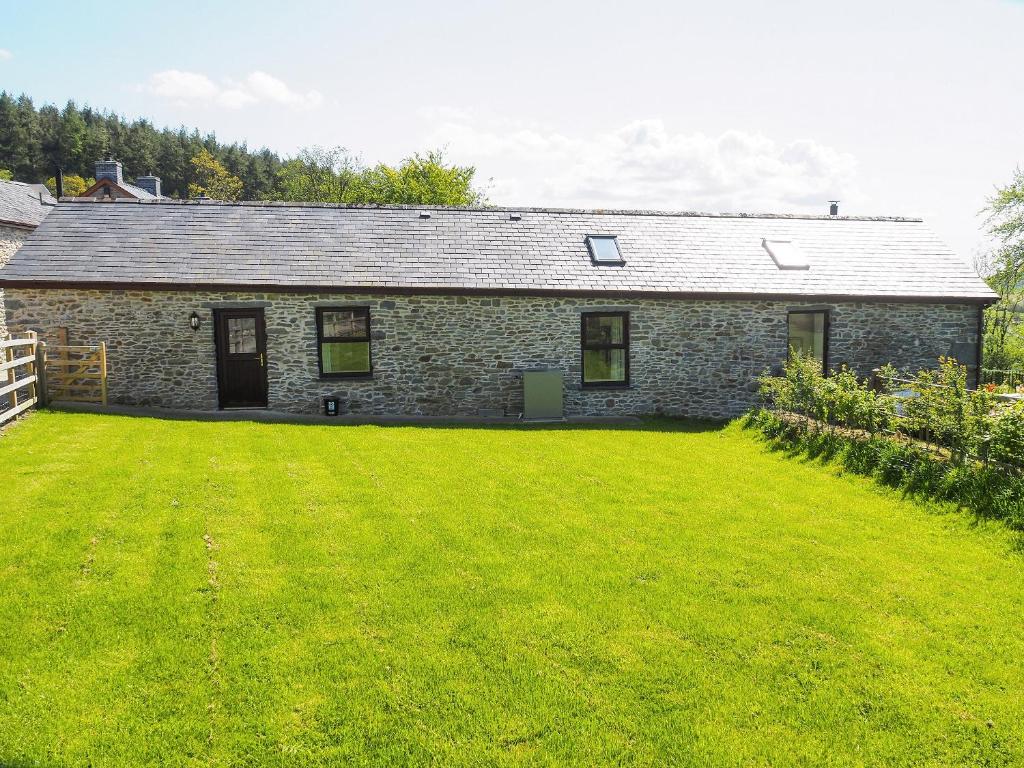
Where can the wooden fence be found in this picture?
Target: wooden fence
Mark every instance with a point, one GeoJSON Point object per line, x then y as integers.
{"type": "Point", "coordinates": [1012, 377]}
{"type": "Point", "coordinates": [19, 375]}
{"type": "Point", "coordinates": [32, 373]}
{"type": "Point", "coordinates": [76, 374]}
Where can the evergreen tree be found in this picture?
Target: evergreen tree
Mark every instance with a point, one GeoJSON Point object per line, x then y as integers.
{"type": "Point", "coordinates": [35, 142]}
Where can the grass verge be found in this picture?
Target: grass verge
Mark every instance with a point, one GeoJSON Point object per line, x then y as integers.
{"type": "Point", "coordinates": [224, 594]}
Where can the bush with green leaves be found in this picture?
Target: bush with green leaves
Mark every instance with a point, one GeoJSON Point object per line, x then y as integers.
{"type": "Point", "coordinates": [987, 490]}
{"type": "Point", "coordinates": [943, 410]}
{"type": "Point", "coordinates": [935, 407]}
{"type": "Point", "coordinates": [1006, 443]}
{"type": "Point", "coordinates": [838, 399]}
{"type": "Point", "coordinates": [892, 423]}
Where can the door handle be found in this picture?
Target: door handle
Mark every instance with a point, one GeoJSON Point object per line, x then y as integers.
{"type": "Point", "coordinates": [262, 364]}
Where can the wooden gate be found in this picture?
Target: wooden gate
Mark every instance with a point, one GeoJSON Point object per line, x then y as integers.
{"type": "Point", "coordinates": [76, 374]}
{"type": "Point", "coordinates": [19, 375]}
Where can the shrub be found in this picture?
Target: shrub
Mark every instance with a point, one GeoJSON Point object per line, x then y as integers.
{"type": "Point", "coordinates": [1006, 443]}
{"type": "Point", "coordinates": [887, 434]}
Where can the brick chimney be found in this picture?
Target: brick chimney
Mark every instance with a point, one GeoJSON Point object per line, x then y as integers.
{"type": "Point", "coordinates": [149, 183]}
{"type": "Point", "coordinates": [109, 169]}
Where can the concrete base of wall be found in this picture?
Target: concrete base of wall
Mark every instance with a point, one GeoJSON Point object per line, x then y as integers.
{"type": "Point", "coordinates": [267, 416]}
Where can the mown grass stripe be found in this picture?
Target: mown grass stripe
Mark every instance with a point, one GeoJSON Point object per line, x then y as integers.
{"type": "Point", "coordinates": [675, 594]}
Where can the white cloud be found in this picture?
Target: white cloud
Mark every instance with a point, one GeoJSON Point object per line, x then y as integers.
{"type": "Point", "coordinates": [268, 88]}
{"type": "Point", "coordinates": [644, 165]}
{"type": "Point", "coordinates": [183, 86]}
{"type": "Point", "coordinates": [5, 55]}
{"type": "Point", "coordinates": [257, 87]}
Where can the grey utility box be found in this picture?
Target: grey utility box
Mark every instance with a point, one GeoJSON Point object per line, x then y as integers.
{"type": "Point", "coordinates": [542, 394]}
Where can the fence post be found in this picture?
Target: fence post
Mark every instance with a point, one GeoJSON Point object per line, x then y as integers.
{"type": "Point", "coordinates": [41, 391]}
{"type": "Point", "coordinates": [876, 379]}
{"type": "Point", "coordinates": [103, 371]}
{"type": "Point", "coordinates": [33, 387]}
{"type": "Point", "coordinates": [12, 375]}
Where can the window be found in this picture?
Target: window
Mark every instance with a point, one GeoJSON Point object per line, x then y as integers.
{"type": "Point", "coordinates": [242, 336]}
{"type": "Point", "coordinates": [604, 249]}
{"type": "Point", "coordinates": [343, 340]}
{"type": "Point", "coordinates": [605, 342]}
{"type": "Point", "coordinates": [786, 254]}
{"type": "Point", "coordinates": [808, 335]}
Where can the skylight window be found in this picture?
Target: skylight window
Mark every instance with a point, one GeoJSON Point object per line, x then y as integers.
{"type": "Point", "coordinates": [604, 249]}
{"type": "Point", "coordinates": [786, 254]}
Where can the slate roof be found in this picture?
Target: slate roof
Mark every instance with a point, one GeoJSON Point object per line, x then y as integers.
{"type": "Point", "coordinates": [310, 246]}
{"type": "Point", "coordinates": [124, 186]}
{"type": "Point", "coordinates": [139, 192]}
{"type": "Point", "coordinates": [20, 203]}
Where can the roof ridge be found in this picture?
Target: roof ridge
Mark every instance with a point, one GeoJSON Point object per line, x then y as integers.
{"type": "Point", "coordinates": [487, 209]}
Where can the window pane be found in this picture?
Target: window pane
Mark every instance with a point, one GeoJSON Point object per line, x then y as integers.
{"type": "Point", "coordinates": [345, 323]}
{"type": "Point", "coordinates": [242, 335]}
{"type": "Point", "coordinates": [604, 329]}
{"type": "Point", "coordinates": [604, 248]}
{"type": "Point", "coordinates": [807, 334]}
{"type": "Point", "coordinates": [604, 365]}
{"type": "Point", "coordinates": [346, 357]}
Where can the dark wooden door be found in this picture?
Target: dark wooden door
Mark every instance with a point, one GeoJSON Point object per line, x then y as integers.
{"type": "Point", "coordinates": [241, 358]}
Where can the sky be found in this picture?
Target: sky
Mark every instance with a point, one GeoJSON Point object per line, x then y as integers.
{"type": "Point", "coordinates": [901, 107]}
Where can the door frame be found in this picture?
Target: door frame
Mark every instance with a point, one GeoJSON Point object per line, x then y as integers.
{"type": "Point", "coordinates": [219, 318]}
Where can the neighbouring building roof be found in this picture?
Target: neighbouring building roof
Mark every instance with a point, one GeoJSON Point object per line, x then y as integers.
{"type": "Point", "coordinates": [110, 183]}
{"type": "Point", "coordinates": [24, 205]}
{"type": "Point", "coordinates": [314, 246]}
{"type": "Point", "coordinates": [99, 189]}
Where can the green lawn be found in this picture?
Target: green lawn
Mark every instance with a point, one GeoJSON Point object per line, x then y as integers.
{"type": "Point", "coordinates": [182, 593]}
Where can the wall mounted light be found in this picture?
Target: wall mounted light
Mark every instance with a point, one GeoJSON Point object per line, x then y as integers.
{"type": "Point", "coordinates": [193, 321]}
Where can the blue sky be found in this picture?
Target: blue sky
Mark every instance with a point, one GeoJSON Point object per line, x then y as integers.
{"type": "Point", "coordinates": [909, 108]}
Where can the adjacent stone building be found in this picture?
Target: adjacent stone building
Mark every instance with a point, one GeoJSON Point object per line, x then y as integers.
{"type": "Point", "coordinates": [22, 207]}
{"type": "Point", "coordinates": [428, 311]}
{"type": "Point", "coordinates": [111, 184]}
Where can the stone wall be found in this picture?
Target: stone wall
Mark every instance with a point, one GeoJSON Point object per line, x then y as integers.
{"type": "Point", "coordinates": [457, 355]}
{"type": "Point", "coordinates": [11, 239]}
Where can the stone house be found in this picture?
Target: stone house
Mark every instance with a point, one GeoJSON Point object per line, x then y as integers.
{"type": "Point", "coordinates": [110, 183]}
{"type": "Point", "coordinates": [444, 311]}
{"type": "Point", "coordinates": [22, 207]}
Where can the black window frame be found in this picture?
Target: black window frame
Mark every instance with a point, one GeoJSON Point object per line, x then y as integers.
{"type": "Point", "coordinates": [826, 326]}
{"type": "Point", "coordinates": [584, 346]}
{"type": "Point", "coordinates": [604, 262]}
{"type": "Point", "coordinates": [321, 340]}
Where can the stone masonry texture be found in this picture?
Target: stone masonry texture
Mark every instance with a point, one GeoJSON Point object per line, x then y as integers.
{"type": "Point", "coordinates": [11, 239]}
{"type": "Point", "coordinates": [458, 355]}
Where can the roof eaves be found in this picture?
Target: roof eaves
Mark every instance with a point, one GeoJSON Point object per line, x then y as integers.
{"type": "Point", "coordinates": [150, 285]}
{"type": "Point", "coordinates": [18, 224]}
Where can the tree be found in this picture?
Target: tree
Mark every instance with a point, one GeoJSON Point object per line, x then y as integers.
{"type": "Point", "coordinates": [36, 141]}
{"type": "Point", "coordinates": [6, 175]}
{"type": "Point", "coordinates": [1006, 224]}
{"type": "Point", "coordinates": [33, 142]}
{"type": "Point", "coordinates": [1004, 345]}
{"type": "Point", "coordinates": [212, 179]}
{"type": "Point", "coordinates": [20, 145]}
{"type": "Point", "coordinates": [333, 175]}
{"type": "Point", "coordinates": [318, 175]}
{"type": "Point", "coordinates": [74, 185]}
{"type": "Point", "coordinates": [419, 180]}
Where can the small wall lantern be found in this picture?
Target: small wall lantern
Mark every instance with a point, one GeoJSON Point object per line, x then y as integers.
{"type": "Point", "coordinates": [193, 321]}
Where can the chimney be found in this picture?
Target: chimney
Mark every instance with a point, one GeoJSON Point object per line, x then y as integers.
{"type": "Point", "coordinates": [149, 183]}
{"type": "Point", "coordinates": [109, 169]}
{"type": "Point", "coordinates": [833, 207]}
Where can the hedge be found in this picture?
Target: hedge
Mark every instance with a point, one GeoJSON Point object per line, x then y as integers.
{"type": "Point", "coordinates": [928, 434]}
